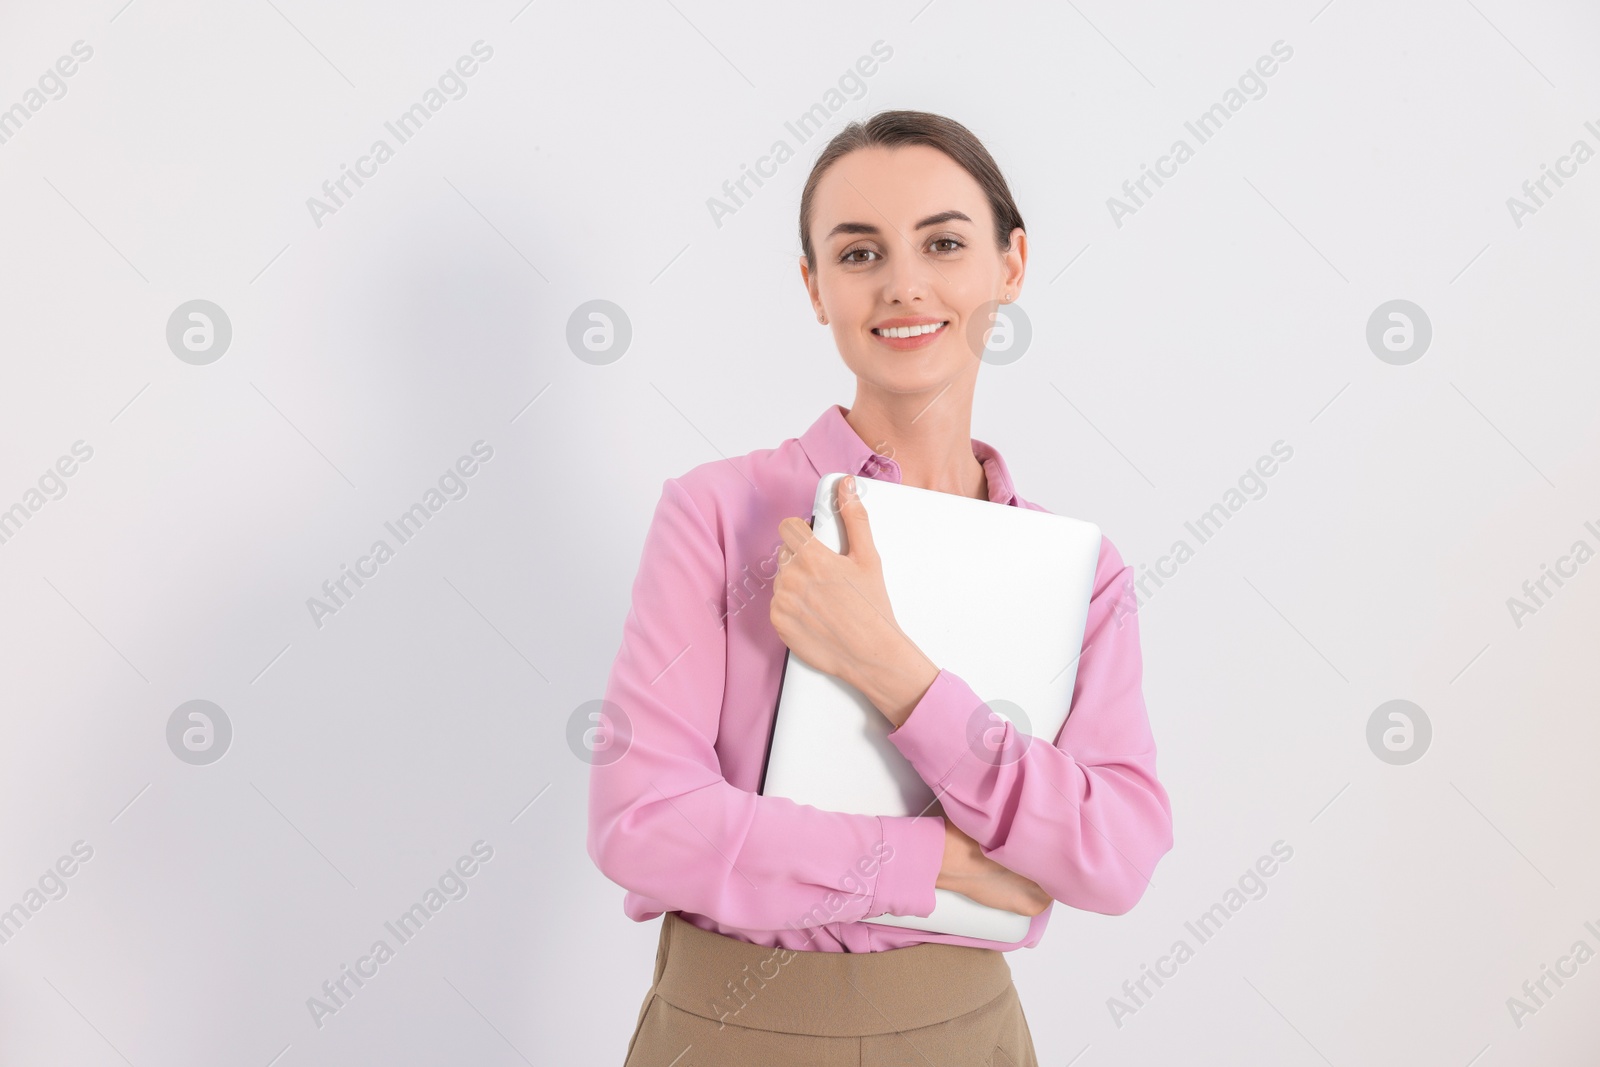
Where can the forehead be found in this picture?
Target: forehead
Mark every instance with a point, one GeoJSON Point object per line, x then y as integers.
{"type": "Point", "coordinates": [901, 185]}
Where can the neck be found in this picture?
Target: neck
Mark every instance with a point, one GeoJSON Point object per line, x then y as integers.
{"type": "Point", "coordinates": [930, 441]}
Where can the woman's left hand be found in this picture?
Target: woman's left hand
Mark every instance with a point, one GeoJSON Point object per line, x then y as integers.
{"type": "Point", "coordinates": [833, 610]}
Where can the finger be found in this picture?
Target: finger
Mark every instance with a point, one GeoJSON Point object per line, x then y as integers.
{"type": "Point", "coordinates": [853, 513]}
{"type": "Point", "coordinates": [796, 534]}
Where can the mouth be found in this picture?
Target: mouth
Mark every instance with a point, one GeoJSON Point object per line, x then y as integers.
{"type": "Point", "coordinates": [911, 336]}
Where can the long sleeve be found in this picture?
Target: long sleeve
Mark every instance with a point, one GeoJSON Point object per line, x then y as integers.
{"type": "Point", "coordinates": [1085, 817]}
{"type": "Point", "coordinates": [666, 824]}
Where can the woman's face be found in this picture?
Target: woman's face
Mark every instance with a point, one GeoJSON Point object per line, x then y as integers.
{"type": "Point", "coordinates": [904, 238]}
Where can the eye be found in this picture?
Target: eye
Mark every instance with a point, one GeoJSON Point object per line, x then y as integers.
{"type": "Point", "coordinates": [956, 244]}
{"type": "Point", "coordinates": [858, 250]}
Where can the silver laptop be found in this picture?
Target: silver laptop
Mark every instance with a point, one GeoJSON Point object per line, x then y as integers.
{"type": "Point", "coordinates": [996, 594]}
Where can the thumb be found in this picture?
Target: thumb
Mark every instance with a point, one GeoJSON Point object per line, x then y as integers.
{"type": "Point", "coordinates": [853, 513]}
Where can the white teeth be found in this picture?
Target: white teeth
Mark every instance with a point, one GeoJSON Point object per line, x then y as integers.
{"type": "Point", "coordinates": [910, 331]}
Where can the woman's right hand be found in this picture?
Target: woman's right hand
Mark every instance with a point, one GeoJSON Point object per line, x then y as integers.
{"type": "Point", "coordinates": [967, 871]}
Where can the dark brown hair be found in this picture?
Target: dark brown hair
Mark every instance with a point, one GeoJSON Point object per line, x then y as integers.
{"type": "Point", "coordinates": [891, 129]}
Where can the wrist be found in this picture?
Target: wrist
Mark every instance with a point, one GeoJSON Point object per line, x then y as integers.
{"type": "Point", "coordinates": [956, 869]}
{"type": "Point", "coordinates": [895, 683]}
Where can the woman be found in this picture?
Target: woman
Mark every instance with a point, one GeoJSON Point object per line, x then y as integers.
{"type": "Point", "coordinates": [911, 240]}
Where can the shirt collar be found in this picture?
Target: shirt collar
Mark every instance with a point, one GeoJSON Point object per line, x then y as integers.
{"type": "Point", "coordinates": [833, 447]}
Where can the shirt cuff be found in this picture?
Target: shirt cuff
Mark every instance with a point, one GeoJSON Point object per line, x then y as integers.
{"type": "Point", "coordinates": [911, 856]}
{"type": "Point", "coordinates": [935, 736]}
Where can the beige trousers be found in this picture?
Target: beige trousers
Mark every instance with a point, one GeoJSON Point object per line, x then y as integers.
{"type": "Point", "coordinates": [716, 1001]}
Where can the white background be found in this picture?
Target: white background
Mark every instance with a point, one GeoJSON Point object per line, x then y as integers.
{"type": "Point", "coordinates": [428, 312]}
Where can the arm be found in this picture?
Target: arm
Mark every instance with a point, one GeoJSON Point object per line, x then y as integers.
{"type": "Point", "coordinates": [1086, 817]}
{"type": "Point", "coordinates": [665, 823]}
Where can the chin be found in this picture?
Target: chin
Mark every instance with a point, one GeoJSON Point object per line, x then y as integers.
{"type": "Point", "coordinates": [907, 379]}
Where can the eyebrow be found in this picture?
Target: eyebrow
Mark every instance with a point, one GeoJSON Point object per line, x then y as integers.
{"type": "Point", "coordinates": [869, 228]}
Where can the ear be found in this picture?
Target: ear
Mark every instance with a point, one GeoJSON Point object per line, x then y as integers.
{"type": "Point", "coordinates": [810, 282]}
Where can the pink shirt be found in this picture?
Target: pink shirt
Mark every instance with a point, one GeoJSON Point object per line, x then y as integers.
{"type": "Point", "coordinates": [676, 819]}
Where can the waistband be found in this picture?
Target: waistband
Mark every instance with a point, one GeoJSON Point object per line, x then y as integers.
{"type": "Point", "coordinates": [822, 994]}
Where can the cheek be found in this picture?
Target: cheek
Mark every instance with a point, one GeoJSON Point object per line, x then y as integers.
{"type": "Point", "coordinates": [849, 300]}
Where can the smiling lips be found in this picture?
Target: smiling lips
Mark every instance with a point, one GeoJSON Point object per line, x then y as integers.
{"type": "Point", "coordinates": [904, 334]}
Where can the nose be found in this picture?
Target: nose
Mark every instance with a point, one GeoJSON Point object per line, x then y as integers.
{"type": "Point", "coordinates": [907, 280]}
